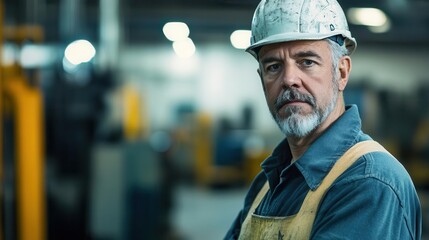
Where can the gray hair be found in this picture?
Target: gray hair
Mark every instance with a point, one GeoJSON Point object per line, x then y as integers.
{"type": "Point", "coordinates": [337, 51]}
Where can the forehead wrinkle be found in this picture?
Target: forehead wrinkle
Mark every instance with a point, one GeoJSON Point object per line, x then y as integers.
{"type": "Point", "coordinates": [270, 59]}
{"type": "Point", "coordinates": [299, 54]}
{"type": "Point", "coordinates": [295, 49]}
{"type": "Point", "coordinates": [305, 54]}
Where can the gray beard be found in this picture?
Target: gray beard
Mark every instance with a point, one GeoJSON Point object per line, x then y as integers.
{"type": "Point", "coordinates": [298, 125]}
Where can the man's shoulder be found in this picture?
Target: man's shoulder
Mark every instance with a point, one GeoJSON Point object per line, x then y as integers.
{"type": "Point", "coordinates": [378, 165]}
{"type": "Point", "coordinates": [382, 172]}
{"type": "Point", "coordinates": [375, 189]}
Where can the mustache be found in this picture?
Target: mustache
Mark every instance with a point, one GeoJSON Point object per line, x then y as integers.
{"type": "Point", "coordinates": [291, 95]}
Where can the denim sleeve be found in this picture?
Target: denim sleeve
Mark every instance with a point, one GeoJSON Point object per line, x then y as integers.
{"type": "Point", "coordinates": [365, 208]}
{"type": "Point", "coordinates": [234, 231]}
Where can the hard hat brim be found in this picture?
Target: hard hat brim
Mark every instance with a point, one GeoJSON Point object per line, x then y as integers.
{"type": "Point", "coordinates": [288, 37]}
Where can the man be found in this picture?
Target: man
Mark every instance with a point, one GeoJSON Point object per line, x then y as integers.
{"type": "Point", "coordinates": [327, 179]}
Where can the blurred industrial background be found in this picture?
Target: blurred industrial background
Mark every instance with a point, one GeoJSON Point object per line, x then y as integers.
{"type": "Point", "coordinates": [145, 119]}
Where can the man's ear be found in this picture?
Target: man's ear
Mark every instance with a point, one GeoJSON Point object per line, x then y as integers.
{"type": "Point", "coordinates": [344, 67]}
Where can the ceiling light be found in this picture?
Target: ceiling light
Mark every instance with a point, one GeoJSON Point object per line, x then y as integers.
{"type": "Point", "coordinates": [380, 29]}
{"type": "Point", "coordinates": [175, 31]}
{"type": "Point", "coordinates": [367, 16]}
{"type": "Point", "coordinates": [33, 56]}
{"type": "Point", "coordinates": [184, 48]}
{"type": "Point", "coordinates": [79, 51]}
{"type": "Point", "coordinates": [9, 54]}
{"type": "Point", "coordinates": [240, 39]}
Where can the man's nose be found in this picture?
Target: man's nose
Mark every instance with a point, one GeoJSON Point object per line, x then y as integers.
{"type": "Point", "coordinates": [291, 76]}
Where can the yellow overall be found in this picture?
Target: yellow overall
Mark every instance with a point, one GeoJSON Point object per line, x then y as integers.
{"type": "Point", "coordinates": [298, 227]}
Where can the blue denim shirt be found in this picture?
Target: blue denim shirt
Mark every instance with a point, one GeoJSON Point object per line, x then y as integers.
{"type": "Point", "coordinates": [373, 199]}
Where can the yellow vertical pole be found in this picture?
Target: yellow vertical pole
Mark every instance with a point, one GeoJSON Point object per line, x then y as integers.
{"type": "Point", "coordinates": [203, 142]}
{"type": "Point", "coordinates": [132, 118]}
{"type": "Point", "coordinates": [29, 159]}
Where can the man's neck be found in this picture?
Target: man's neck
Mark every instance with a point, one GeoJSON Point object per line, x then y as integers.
{"type": "Point", "coordinates": [299, 145]}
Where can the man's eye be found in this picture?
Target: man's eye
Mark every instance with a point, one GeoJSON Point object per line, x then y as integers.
{"type": "Point", "coordinates": [307, 63]}
{"type": "Point", "coordinates": [273, 67]}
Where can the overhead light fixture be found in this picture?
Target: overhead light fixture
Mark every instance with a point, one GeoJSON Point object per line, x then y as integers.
{"type": "Point", "coordinates": [184, 48]}
{"type": "Point", "coordinates": [175, 31]}
{"type": "Point", "coordinates": [79, 51]}
{"type": "Point", "coordinates": [380, 29]}
{"type": "Point", "coordinates": [375, 19]}
{"type": "Point", "coordinates": [240, 39]}
{"type": "Point", "coordinates": [34, 56]}
{"type": "Point", "coordinates": [9, 54]}
{"type": "Point", "coordinates": [367, 16]}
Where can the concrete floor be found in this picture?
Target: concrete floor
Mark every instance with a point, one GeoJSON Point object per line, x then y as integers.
{"type": "Point", "coordinates": [201, 213]}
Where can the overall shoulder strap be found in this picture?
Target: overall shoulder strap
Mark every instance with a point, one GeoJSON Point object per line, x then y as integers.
{"type": "Point", "coordinates": [308, 211]}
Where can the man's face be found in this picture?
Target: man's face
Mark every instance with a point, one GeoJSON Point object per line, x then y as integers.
{"type": "Point", "coordinates": [299, 84]}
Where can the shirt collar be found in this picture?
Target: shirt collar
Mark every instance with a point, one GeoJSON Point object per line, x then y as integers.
{"type": "Point", "coordinates": [276, 163]}
{"type": "Point", "coordinates": [319, 158]}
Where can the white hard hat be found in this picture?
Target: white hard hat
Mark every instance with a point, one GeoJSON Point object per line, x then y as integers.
{"type": "Point", "coordinates": [277, 21]}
